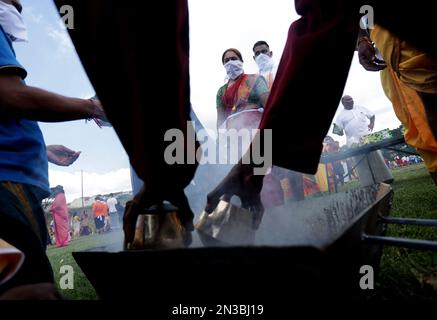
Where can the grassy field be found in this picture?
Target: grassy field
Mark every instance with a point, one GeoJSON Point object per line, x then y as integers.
{"type": "Point", "coordinates": [404, 273]}
{"type": "Point", "coordinates": [409, 273]}
{"type": "Point", "coordinates": [62, 256]}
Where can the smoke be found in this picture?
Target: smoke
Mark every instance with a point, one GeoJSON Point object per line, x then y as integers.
{"type": "Point", "coordinates": [314, 222]}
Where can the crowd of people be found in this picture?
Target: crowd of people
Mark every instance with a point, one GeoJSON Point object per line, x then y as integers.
{"type": "Point", "coordinates": [240, 105]}
{"type": "Point", "coordinates": [402, 161]}
{"type": "Point", "coordinates": [108, 214]}
{"type": "Point", "coordinates": [325, 34]}
{"type": "Point", "coordinates": [64, 226]}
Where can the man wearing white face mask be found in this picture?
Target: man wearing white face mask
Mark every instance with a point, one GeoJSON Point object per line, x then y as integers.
{"type": "Point", "coordinates": [291, 182]}
{"type": "Point", "coordinates": [263, 58]}
{"type": "Point", "coordinates": [23, 154]}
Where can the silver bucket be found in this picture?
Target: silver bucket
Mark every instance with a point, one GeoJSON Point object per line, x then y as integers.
{"type": "Point", "coordinates": [226, 225]}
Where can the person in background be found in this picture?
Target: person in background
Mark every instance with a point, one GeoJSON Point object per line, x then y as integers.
{"type": "Point", "coordinates": [100, 212]}
{"type": "Point", "coordinates": [357, 121]}
{"type": "Point", "coordinates": [113, 213]}
{"type": "Point", "coordinates": [354, 121]}
{"type": "Point", "coordinates": [240, 104]}
{"type": "Point", "coordinates": [242, 92]}
{"type": "Point", "coordinates": [85, 229]}
{"type": "Point", "coordinates": [76, 226]}
{"type": "Point", "coordinates": [335, 169]}
{"type": "Point", "coordinates": [59, 212]}
{"type": "Point", "coordinates": [263, 58]}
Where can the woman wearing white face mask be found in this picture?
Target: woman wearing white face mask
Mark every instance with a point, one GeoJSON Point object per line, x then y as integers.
{"type": "Point", "coordinates": [240, 104]}
{"type": "Point", "coordinates": [242, 92]}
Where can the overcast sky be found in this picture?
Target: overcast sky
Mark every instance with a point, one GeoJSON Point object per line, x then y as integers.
{"type": "Point", "coordinates": [215, 25]}
{"type": "Point", "coordinates": [218, 25]}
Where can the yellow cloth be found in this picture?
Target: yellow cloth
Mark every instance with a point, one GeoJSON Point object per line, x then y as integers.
{"type": "Point", "coordinates": [321, 178]}
{"type": "Point", "coordinates": [408, 71]}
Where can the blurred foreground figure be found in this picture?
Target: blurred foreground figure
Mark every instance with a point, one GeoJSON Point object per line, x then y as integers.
{"type": "Point", "coordinates": [409, 80]}
{"type": "Point", "coordinates": [23, 154]}
{"type": "Point", "coordinates": [316, 59]}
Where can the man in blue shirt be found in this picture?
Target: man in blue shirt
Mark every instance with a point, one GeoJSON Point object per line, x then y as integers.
{"type": "Point", "coordinates": [23, 154]}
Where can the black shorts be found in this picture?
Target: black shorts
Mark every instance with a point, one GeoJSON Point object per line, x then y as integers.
{"type": "Point", "coordinates": [100, 222]}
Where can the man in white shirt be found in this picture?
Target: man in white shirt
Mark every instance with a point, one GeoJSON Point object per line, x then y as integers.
{"type": "Point", "coordinates": [357, 121]}
{"type": "Point", "coordinates": [111, 202]}
{"type": "Point", "coordinates": [354, 120]}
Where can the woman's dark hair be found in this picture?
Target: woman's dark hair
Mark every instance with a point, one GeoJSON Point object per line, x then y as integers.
{"type": "Point", "coordinates": [238, 53]}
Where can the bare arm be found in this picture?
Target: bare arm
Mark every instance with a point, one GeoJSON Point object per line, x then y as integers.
{"type": "Point", "coordinates": [16, 98]}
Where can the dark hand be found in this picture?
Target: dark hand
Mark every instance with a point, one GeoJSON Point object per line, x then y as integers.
{"type": "Point", "coordinates": [243, 183]}
{"type": "Point", "coordinates": [61, 155]}
{"type": "Point", "coordinates": [367, 56]}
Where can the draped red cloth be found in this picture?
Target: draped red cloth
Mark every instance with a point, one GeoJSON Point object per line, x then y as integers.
{"type": "Point", "coordinates": [59, 212]}
{"type": "Point", "coordinates": [229, 97]}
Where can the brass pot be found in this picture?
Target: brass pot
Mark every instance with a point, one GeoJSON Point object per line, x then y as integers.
{"type": "Point", "coordinates": [158, 228]}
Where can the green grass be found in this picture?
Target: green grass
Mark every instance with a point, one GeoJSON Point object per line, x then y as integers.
{"type": "Point", "coordinates": [404, 273]}
{"type": "Point", "coordinates": [62, 256]}
{"type": "Point", "coordinates": [407, 273]}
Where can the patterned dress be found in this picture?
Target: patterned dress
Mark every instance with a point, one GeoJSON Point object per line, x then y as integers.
{"type": "Point", "coordinates": [243, 110]}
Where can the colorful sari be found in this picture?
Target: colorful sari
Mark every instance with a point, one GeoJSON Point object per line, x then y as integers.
{"type": "Point", "coordinates": [242, 108]}
{"type": "Point", "coordinates": [60, 217]}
